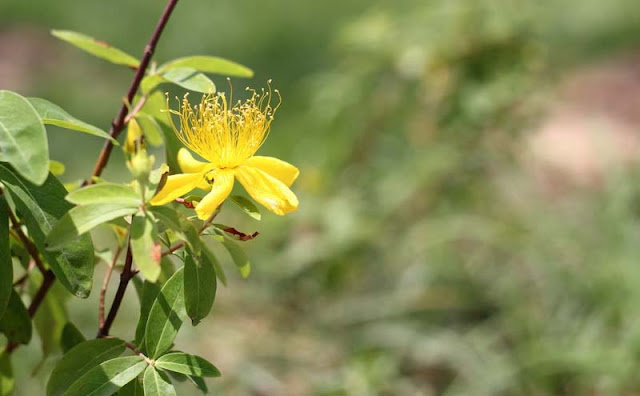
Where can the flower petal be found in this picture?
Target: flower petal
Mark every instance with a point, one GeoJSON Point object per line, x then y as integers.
{"type": "Point", "coordinates": [188, 164]}
{"type": "Point", "coordinates": [176, 186]}
{"type": "Point", "coordinates": [267, 190]}
{"type": "Point", "coordinates": [220, 190]}
{"type": "Point", "coordinates": [283, 171]}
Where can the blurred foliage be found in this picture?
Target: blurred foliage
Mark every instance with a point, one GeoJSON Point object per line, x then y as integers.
{"type": "Point", "coordinates": [423, 260]}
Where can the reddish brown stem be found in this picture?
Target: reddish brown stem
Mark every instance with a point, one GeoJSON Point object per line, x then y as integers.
{"type": "Point", "coordinates": [204, 227]}
{"type": "Point", "coordinates": [31, 248]}
{"type": "Point", "coordinates": [105, 284]}
{"type": "Point", "coordinates": [118, 123]}
{"type": "Point", "coordinates": [125, 277]}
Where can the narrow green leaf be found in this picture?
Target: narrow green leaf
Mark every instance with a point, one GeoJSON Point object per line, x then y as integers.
{"type": "Point", "coordinates": [239, 257]}
{"type": "Point", "coordinates": [133, 388]}
{"type": "Point", "coordinates": [82, 219]}
{"type": "Point", "coordinates": [71, 337]}
{"type": "Point", "coordinates": [183, 77]}
{"type": "Point", "coordinates": [105, 193]}
{"type": "Point", "coordinates": [145, 248]}
{"type": "Point", "coordinates": [247, 206]}
{"type": "Point", "coordinates": [189, 79]}
{"type": "Point", "coordinates": [157, 383]}
{"type": "Point", "coordinates": [52, 114]}
{"type": "Point", "coordinates": [166, 316]}
{"type": "Point", "coordinates": [179, 223]}
{"type": "Point", "coordinates": [150, 292]}
{"type": "Point", "coordinates": [199, 383]}
{"type": "Point", "coordinates": [50, 318]}
{"type": "Point", "coordinates": [199, 286]}
{"type": "Point", "coordinates": [150, 127]}
{"type": "Point", "coordinates": [208, 255]}
{"type": "Point", "coordinates": [23, 139]}
{"type": "Point", "coordinates": [6, 374]}
{"type": "Point", "coordinates": [80, 360]}
{"type": "Point", "coordinates": [108, 377]}
{"type": "Point", "coordinates": [155, 105]}
{"type": "Point", "coordinates": [187, 364]}
{"type": "Point", "coordinates": [209, 64]}
{"type": "Point", "coordinates": [56, 168]}
{"type": "Point", "coordinates": [41, 207]}
{"type": "Point", "coordinates": [15, 324]}
{"type": "Point", "coordinates": [6, 266]}
{"type": "Point", "coordinates": [97, 48]}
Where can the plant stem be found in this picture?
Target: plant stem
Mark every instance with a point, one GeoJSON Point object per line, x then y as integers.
{"type": "Point", "coordinates": [125, 277]}
{"type": "Point", "coordinates": [204, 227]}
{"type": "Point", "coordinates": [105, 283]}
{"type": "Point", "coordinates": [118, 123]}
{"type": "Point", "coordinates": [31, 248]}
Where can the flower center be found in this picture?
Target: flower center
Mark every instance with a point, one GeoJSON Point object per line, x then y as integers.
{"type": "Point", "coordinates": [223, 133]}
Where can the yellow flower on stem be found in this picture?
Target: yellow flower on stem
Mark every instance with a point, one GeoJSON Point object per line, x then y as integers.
{"type": "Point", "coordinates": [227, 136]}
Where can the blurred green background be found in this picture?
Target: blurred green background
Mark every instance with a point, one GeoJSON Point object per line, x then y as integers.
{"type": "Point", "coordinates": [470, 199]}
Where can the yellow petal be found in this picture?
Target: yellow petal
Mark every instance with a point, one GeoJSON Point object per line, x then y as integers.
{"type": "Point", "coordinates": [220, 190]}
{"type": "Point", "coordinates": [283, 171]}
{"type": "Point", "coordinates": [176, 186]}
{"type": "Point", "coordinates": [188, 164]}
{"type": "Point", "coordinates": [267, 190]}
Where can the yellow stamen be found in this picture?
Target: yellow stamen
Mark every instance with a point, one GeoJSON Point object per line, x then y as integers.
{"type": "Point", "coordinates": [223, 133]}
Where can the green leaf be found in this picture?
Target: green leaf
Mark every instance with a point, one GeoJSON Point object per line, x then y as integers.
{"type": "Point", "coordinates": [108, 377]}
{"type": "Point", "coordinates": [82, 219]}
{"type": "Point", "coordinates": [40, 207]}
{"type": "Point", "coordinates": [187, 364]}
{"type": "Point", "coordinates": [155, 105]}
{"type": "Point", "coordinates": [239, 257]}
{"type": "Point", "coordinates": [145, 248]}
{"type": "Point", "coordinates": [199, 287]}
{"type": "Point", "coordinates": [189, 79]}
{"type": "Point", "coordinates": [6, 266]}
{"type": "Point", "coordinates": [56, 168]}
{"type": "Point", "coordinates": [6, 374]}
{"type": "Point", "coordinates": [150, 292]}
{"type": "Point", "coordinates": [80, 360]}
{"type": "Point", "coordinates": [50, 318]}
{"type": "Point", "coordinates": [105, 193]}
{"type": "Point", "coordinates": [23, 139]}
{"type": "Point", "coordinates": [52, 114]}
{"type": "Point", "coordinates": [184, 77]}
{"type": "Point", "coordinates": [179, 223]}
{"type": "Point", "coordinates": [133, 388]}
{"type": "Point", "coordinates": [97, 48]}
{"type": "Point", "coordinates": [209, 64]}
{"type": "Point", "coordinates": [199, 383]}
{"type": "Point", "coordinates": [247, 206]}
{"type": "Point", "coordinates": [71, 337]}
{"type": "Point", "coordinates": [15, 324]}
{"type": "Point", "coordinates": [166, 316]}
{"type": "Point", "coordinates": [150, 127]}
{"type": "Point", "coordinates": [156, 383]}
{"type": "Point", "coordinates": [208, 255]}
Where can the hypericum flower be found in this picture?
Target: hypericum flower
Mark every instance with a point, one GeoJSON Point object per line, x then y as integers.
{"type": "Point", "coordinates": [227, 137]}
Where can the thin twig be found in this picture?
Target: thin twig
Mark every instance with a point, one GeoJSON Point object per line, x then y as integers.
{"type": "Point", "coordinates": [125, 277]}
{"type": "Point", "coordinates": [31, 248]}
{"type": "Point", "coordinates": [105, 284]}
{"type": "Point", "coordinates": [135, 110]}
{"type": "Point", "coordinates": [118, 123]}
{"type": "Point", "coordinates": [204, 227]}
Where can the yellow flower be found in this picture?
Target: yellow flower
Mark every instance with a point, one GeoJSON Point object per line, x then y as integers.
{"type": "Point", "coordinates": [228, 137]}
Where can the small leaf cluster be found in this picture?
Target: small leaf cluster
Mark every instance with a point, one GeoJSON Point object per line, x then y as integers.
{"type": "Point", "coordinates": [47, 254]}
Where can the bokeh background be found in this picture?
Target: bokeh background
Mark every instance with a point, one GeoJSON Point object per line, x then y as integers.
{"type": "Point", "coordinates": [470, 195]}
